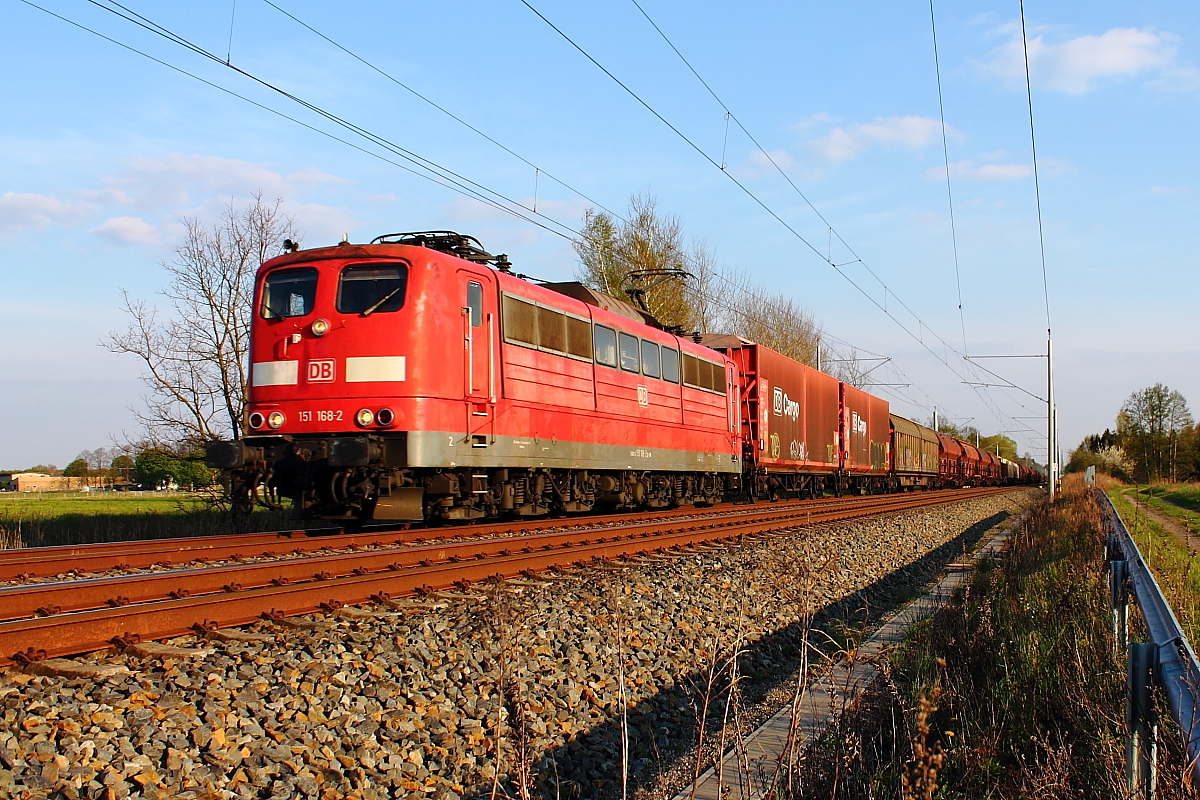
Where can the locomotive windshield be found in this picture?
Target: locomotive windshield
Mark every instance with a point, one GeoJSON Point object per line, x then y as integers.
{"type": "Point", "coordinates": [372, 288]}
{"type": "Point", "coordinates": [289, 292]}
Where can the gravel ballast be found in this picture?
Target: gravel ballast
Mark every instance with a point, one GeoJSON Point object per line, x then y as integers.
{"type": "Point", "coordinates": [559, 685]}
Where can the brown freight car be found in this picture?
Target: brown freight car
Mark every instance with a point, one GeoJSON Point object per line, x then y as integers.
{"type": "Point", "coordinates": [914, 455]}
{"type": "Point", "coordinates": [866, 440]}
{"type": "Point", "coordinates": [791, 421]}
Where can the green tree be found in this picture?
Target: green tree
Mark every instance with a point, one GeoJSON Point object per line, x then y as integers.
{"type": "Point", "coordinates": [1000, 444]}
{"type": "Point", "coordinates": [121, 469]}
{"type": "Point", "coordinates": [191, 473]}
{"type": "Point", "coordinates": [640, 253]}
{"type": "Point", "coordinates": [618, 257]}
{"type": "Point", "coordinates": [76, 469]}
{"type": "Point", "coordinates": [155, 468]}
{"type": "Point", "coordinates": [1154, 427]}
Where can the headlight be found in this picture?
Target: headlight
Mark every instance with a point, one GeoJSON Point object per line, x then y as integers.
{"type": "Point", "coordinates": [364, 417]}
{"type": "Point", "coordinates": [385, 417]}
{"type": "Point", "coordinates": [275, 419]}
{"type": "Point", "coordinates": [256, 420]}
{"type": "Point", "coordinates": [320, 327]}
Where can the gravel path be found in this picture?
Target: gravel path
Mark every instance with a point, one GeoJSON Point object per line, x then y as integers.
{"type": "Point", "coordinates": [556, 685]}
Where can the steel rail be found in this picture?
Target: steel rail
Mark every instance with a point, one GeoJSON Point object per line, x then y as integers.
{"type": "Point", "coordinates": [1178, 669]}
{"type": "Point", "coordinates": [46, 599]}
{"type": "Point", "coordinates": [68, 596]}
{"type": "Point", "coordinates": [65, 634]}
{"type": "Point", "coordinates": [42, 562]}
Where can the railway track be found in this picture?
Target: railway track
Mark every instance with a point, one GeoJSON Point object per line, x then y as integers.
{"type": "Point", "coordinates": [322, 573]}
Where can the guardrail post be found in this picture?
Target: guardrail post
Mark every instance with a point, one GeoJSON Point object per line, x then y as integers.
{"type": "Point", "coordinates": [1118, 589]}
{"type": "Point", "coordinates": [1141, 742]}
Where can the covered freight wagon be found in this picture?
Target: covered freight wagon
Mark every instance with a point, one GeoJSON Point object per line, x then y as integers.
{"type": "Point", "coordinates": [866, 439]}
{"type": "Point", "coordinates": [914, 454]}
{"type": "Point", "coordinates": [791, 420]}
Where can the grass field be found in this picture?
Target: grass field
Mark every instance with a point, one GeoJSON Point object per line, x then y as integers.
{"type": "Point", "coordinates": [1175, 567]}
{"type": "Point", "coordinates": [1011, 690]}
{"type": "Point", "coordinates": [42, 519]}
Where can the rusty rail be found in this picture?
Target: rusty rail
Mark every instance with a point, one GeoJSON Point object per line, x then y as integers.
{"type": "Point", "coordinates": [445, 566]}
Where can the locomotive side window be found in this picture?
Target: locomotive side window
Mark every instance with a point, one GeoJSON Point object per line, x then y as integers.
{"type": "Point", "coordinates": [289, 293]}
{"type": "Point", "coordinates": [579, 338]}
{"type": "Point", "coordinates": [475, 303]}
{"type": "Point", "coordinates": [520, 321]}
{"type": "Point", "coordinates": [718, 378]}
{"type": "Point", "coordinates": [606, 346]}
{"type": "Point", "coordinates": [650, 359]}
{"type": "Point", "coordinates": [552, 330]}
{"type": "Point", "coordinates": [629, 353]}
{"type": "Point", "coordinates": [371, 288]}
{"type": "Point", "coordinates": [670, 365]}
{"type": "Point", "coordinates": [701, 374]}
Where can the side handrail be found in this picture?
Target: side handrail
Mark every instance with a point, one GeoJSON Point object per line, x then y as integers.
{"type": "Point", "coordinates": [1177, 670]}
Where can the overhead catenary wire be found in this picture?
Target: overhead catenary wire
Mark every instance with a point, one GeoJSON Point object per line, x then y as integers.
{"type": "Point", "coordinates": [937, 69]}
{"type": "Point", "coordinates": [996, 411]}
{"type": "Point", "coordinates": [1037, 192]}
{"type": "Point", "coordinates": [440, 175]}
{"type": "Point", "coordinates": [425, 176]}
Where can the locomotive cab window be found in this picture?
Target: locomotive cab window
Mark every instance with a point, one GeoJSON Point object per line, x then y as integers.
{"type": "Point", "coordinates": [629, 353]}
{"type": "Point", "coordinates": [372, 288]}
{"type": "Point", "coordinates": [650, 359]}
{"type": "Point", "coordinates": [670, 365]}
{"type": "Point", "coordinates": [475, 303]}
{"type": "Point", "coordinates": [605, 340]}
{"type": "Point", "coordinates": [289, 292]}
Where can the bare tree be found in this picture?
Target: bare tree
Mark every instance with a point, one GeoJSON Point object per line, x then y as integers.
{"type": "Point", "coordinates": [194, 357]}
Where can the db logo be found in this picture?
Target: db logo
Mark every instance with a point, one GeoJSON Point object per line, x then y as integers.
{"type": "Point", "coordinates": [321, 371]}
{"type": "Point", "coordinates": [643, 396]}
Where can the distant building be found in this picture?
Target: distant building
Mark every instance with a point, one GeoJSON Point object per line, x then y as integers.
{"type": "Point", "coordinates": [37, 482]}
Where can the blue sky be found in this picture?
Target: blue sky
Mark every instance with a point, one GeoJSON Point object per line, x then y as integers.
{"type": "Point", "coordinates": [106, 151]}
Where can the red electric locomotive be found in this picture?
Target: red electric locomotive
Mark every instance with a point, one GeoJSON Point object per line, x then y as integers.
{"type": "Point", "coordinates": [417, 378]}
{"type": "Point", "coordinates": [408, 379]}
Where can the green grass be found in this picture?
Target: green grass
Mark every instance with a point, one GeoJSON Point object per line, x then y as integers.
{"type": "Point", "coordinates": [44, 519]}
{"type": "Point", "coordinates": [1176, 569]}
{"type": "Point", "coordinates": [58, 504]}
{"type": "Point", "coordinates": [1180, 502]}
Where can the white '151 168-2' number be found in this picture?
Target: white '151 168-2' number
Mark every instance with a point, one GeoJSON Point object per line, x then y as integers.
{"type": "Point", "coordinates": [321, 416]}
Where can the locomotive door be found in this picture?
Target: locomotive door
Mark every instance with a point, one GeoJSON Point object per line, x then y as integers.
{"type": "Point", "coordinates": [478, 307]}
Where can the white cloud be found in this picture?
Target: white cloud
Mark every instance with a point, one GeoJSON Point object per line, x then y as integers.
{"type": "Point", "coordinates": [177, 179]}
{"type": "Point", "coordinates": [1077, 66]}
{"type": "Point", "coordinates": [758, 164]}
{"type": "Point", "coordinates": [821, 118]}
{"type": "Point", "coordinates": [842, 144]}
{"type": "Point", "coordinates": [125, 230]}
{"type": "Point", "coordinates": [22, 211]}
{"type": "Point", "coordinates": [1169, 189]}
{"type": "Point", "coordinates": [969, 170]}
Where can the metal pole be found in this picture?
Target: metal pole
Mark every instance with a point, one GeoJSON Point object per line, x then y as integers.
{"type": "Point", "coordinates": [1051, 459]}
{"type": "Point", "coordinates": [1118, 575]}
{"type": "Point", "coordinates": [1141, 742]}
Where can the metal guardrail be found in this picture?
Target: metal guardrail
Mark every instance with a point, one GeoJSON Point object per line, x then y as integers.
{"type": "Point", "coordinates": [1167, 660]}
